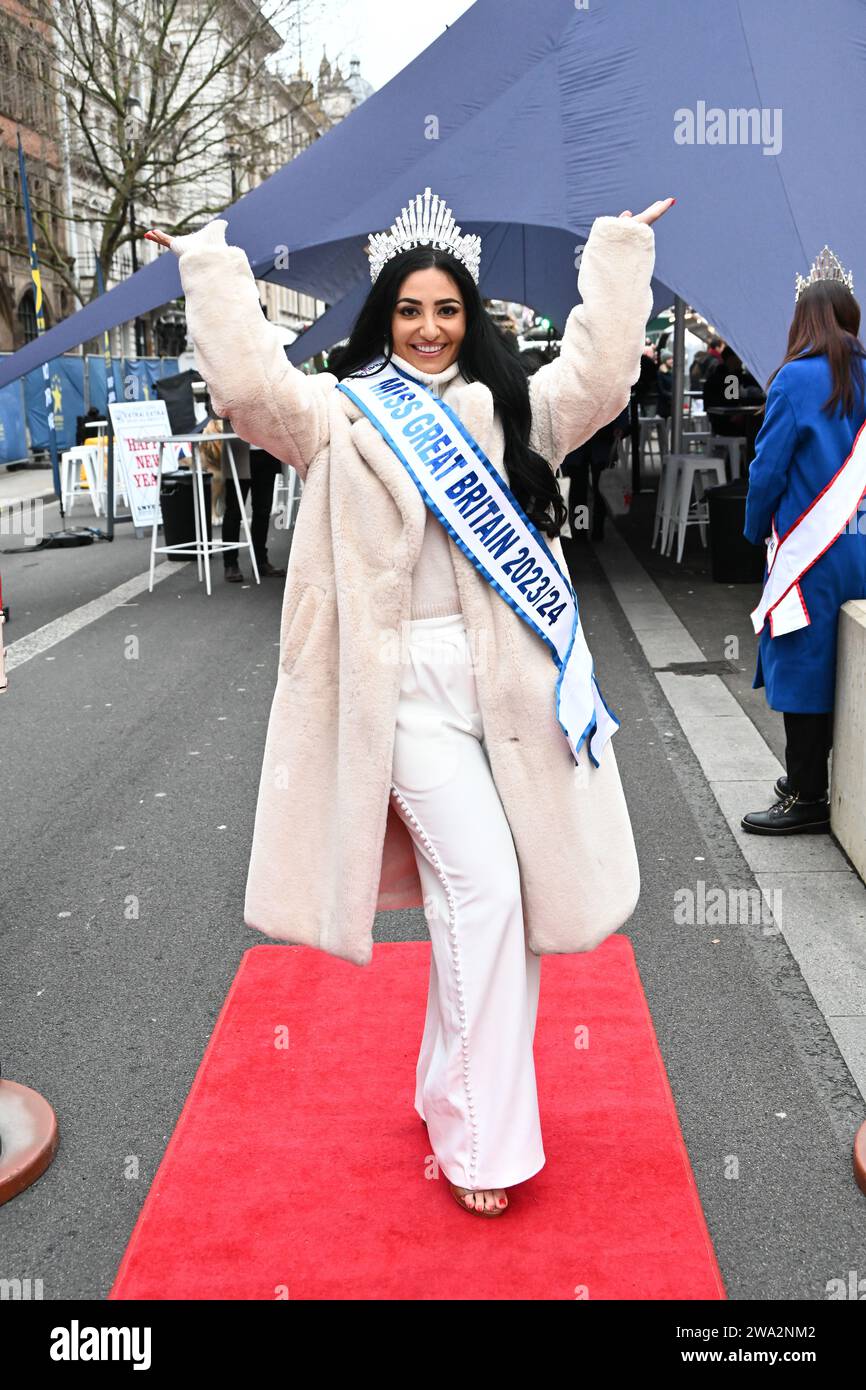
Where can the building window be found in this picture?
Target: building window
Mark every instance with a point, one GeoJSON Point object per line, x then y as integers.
{"type": "Point", "coordinates": [27, 317]}
{"type": "Point", "coordinates": [7, 83]}
{"type": "Point", "coordinates": [28, 87]}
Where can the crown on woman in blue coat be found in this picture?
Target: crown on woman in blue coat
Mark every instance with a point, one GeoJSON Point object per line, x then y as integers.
{"type": "Point", "coordinates": [825, 266]}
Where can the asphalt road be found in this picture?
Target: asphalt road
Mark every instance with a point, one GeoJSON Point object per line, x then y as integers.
{"type": "Point", "coordinates": [130, 757]}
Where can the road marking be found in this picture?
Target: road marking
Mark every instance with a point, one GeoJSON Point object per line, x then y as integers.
{"type": "Point", "coordinates": [43, 638]}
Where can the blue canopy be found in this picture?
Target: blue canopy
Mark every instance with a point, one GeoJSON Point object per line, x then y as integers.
{"type": "Point", "coordinates": [536, 116]}
{"type": "Point", "coordinates": [530, 265]}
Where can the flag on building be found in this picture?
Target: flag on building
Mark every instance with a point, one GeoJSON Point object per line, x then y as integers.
{"type": "Point", "coordinates": [40, 318]}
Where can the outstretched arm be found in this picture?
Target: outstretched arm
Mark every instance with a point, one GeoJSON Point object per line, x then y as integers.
{"type": "Point", "coordinates": [240, 354]}
{"type": "Point", "coordinates": [589, 384]}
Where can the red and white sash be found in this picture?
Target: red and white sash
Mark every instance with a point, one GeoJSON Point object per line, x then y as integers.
{"type": "Point", "coordinates": [788, 559]}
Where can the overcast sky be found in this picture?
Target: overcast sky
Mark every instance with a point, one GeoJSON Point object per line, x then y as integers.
{"type": "Point", "coordinates": [385, 34]}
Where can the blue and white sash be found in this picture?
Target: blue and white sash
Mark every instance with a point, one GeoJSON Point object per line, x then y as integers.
{"type": "Point", "coordinates": [483, 517]}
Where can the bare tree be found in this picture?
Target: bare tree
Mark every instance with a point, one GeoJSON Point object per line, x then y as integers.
{"type": "Point", "coordinates": [162, 101]}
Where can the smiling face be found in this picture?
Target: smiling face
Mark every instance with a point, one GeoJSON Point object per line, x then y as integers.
{"type": "Point", "coordinates": [429, 321]}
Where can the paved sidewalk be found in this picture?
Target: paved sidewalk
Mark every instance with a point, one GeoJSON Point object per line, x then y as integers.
{"type": "Point", "coordinates": [697, 637]}
{"type": "Point", "coordinates": [24, 484]}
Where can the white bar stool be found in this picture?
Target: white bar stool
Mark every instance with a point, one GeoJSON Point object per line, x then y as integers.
{"type": "Point", "coordinates": [653, 444]}
{"type": "Point", "coordinates": [97, 440]}
{"type": "Point", "coordinates": [690, 508]}
{"type": "Point", "coordinates": [653, 440]}
{"type": "Point", "coordinates": [71, 462]}
{"type": "Point", "coordinates": [697, 421]}
{"type": "Point", "coordinates": [733, 445]}
{"type": "Point", "coordinates": [665, 497]}
{"type": "Point", "coordinates": [666, 494]}
{"type": "Point", "coordinates": [100, 449]}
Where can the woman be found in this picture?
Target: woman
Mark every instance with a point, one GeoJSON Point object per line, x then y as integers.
{"type": "Point", "coordinates": [804, 487]}
{"type": "Point", "coordinates": [432, 769]}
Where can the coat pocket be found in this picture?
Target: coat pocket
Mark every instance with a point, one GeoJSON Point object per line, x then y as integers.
{"type": "Point", "coordinates": [301, 605]}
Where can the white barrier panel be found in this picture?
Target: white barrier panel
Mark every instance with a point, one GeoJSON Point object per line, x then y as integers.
{"type": "Point", "coordinates": [848, 783]}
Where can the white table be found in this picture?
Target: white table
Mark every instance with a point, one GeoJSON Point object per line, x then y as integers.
{"type": "Point", "coordinates": [201, 547]}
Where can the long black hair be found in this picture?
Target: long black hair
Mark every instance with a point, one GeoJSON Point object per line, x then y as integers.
{"type": "Point", "coordinates": [483, 356]}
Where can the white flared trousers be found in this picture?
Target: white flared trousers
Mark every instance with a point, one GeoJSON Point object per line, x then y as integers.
{"type": "Point", "coordinates": [475, 1077]}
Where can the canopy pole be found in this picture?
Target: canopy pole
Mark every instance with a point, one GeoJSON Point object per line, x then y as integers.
{"type": "Point", "coordinates": [634, 434]}
{"type": "Point", "coordinates": [678, 384]}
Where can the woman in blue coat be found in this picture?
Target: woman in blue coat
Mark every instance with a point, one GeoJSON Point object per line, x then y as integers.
{"type": "Point", "coordinates": [814, 410]}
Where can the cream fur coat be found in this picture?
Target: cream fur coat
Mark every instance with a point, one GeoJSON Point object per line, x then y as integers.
{"type": "Point", "coordinates": [329, 849]}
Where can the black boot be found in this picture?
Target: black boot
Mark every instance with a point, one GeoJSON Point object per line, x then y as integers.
{"type": "Point", "coordinates": [790, 816]}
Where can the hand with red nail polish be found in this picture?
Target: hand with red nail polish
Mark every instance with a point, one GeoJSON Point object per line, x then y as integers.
{"type": "Point", "coordinates": [160, 237]}
{"type": "Point", "coordinates": [653, 212]}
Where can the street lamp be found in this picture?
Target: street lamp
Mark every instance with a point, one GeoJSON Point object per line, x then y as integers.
{"type": "Point", "coordinates": [133, 113]}
{"type": "Point", "coordinates": [233, 160]}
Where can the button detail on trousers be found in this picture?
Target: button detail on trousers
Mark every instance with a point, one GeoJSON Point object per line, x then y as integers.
{"type": "Point", "coordinates": [475, 1082]}
{"type": "Point", "coordinates": [434, 858]}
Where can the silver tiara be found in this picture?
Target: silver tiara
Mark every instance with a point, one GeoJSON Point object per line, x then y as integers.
{"type": "Point", "coordinates": [826, 266]}
{"type": "Point", "coordinates": [426, 222]}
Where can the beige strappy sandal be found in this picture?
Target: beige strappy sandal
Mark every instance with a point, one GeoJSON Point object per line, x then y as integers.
{"type": "Point", "coordinates": [458, 1193]}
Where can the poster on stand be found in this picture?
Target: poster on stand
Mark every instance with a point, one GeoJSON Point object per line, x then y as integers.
{"type": "Point", "coordinates": [138, 426]}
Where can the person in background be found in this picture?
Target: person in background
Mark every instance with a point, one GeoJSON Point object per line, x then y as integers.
{"type": "Point", "coordinates": [83, 426]}
{"type": "Point", "coordinates": [727, 385]}
{"type": "Point", "coordinates": [702, 362]}
{"type": "Point", "coordinates": [215, 457]}
{"type": "Point", "coordinates": [645, 389]}
{"type": "Point", "coordinates": [722, 382]}
{"type": "Point", "coordinates": [588, 462]}
{"type": "Point", "coordinates": [334, 357]}
{"type": "Point", "coordinates": [256, 472]}
{"type": "Point", "coordinates": [664, 383]}
{"type": "Point", "coordinates": [262, 474]}
{"type": "Point", "coordinates": [532, 359]}
{"type": "Point", "coordinates": [805, 449]}
{"type": "Point", "coordinates": [585, 463]}
{"type": "Point", "coordinates": [592, 457]}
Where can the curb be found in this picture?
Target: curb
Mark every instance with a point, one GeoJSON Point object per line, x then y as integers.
{"type": "Point", "coordinates": [48, 496]}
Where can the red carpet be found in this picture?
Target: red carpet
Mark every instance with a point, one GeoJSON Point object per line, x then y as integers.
{"type": "Point", "coordinates": [301, 1171]}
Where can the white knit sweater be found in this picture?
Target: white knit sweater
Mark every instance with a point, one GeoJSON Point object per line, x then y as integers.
{"type": "Point", "coordinates": [434, 588]}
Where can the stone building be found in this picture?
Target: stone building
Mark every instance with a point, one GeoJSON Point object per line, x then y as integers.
{"type": "Point", "coordinates": [286, 108]}
{"type": "Point", "coordinates": [26, 104]}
